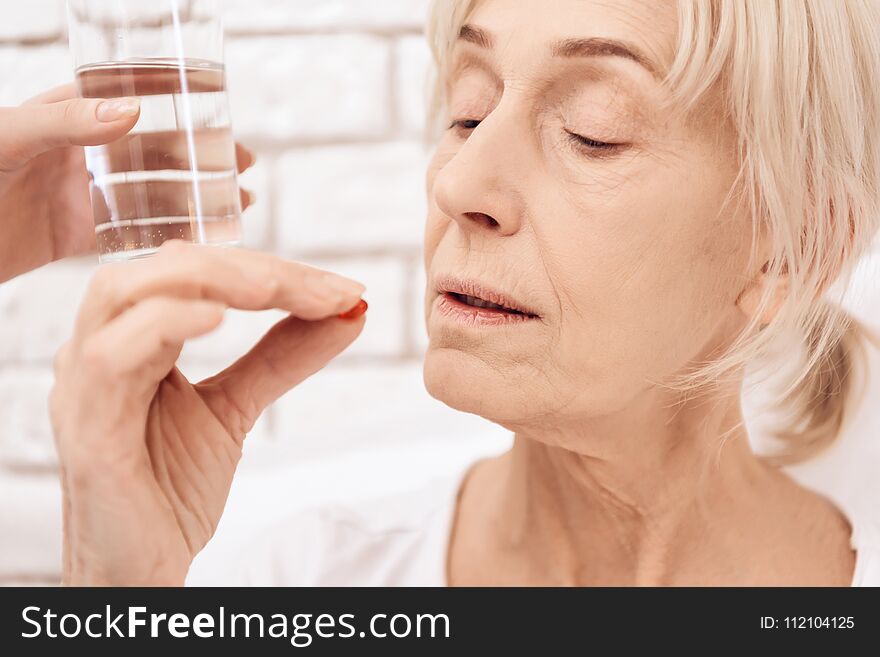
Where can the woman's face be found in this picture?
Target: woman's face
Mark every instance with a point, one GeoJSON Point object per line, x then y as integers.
{"type": "Point", "coordinates": [565, 186]}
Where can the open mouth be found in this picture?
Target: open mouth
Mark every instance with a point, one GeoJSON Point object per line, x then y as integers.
{"type": "Point", "coordinates": [476, 302]}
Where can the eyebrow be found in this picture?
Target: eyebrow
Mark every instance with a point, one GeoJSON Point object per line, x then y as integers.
{"type": "Point", "coordinates": [570, 48]}
{"type": "Point", "coordinates": [477, 36]}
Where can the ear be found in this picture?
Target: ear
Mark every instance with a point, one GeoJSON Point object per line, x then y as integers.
{"type": "Point", "coordinates": [749, 300]}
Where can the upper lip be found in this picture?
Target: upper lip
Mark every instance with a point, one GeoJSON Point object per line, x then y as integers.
{"type": "Point", "coordinates": [472, 288]}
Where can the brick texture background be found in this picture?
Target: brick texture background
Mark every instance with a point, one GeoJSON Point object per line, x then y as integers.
{"type": "Point", "coordinates": [331, 96]}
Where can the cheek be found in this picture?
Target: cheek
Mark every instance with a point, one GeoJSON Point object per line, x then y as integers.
{"type": "Point", "coordinates": [646, 272]}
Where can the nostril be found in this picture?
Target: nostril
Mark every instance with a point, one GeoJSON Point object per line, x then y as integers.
{"type": "Point", "coordinates": [482, 218]}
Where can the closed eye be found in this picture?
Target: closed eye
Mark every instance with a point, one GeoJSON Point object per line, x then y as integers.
{"type": "Point", "coordinates": [465, 125]}
{"type": "Point", "coordinates": [593, 145]}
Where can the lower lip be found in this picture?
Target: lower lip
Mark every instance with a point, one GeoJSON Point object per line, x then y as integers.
{"type": "Point", "coordinates": [449, 306]}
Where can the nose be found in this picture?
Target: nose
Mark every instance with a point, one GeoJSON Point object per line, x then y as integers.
{"type": "Point", "coordinates": [479, 187]}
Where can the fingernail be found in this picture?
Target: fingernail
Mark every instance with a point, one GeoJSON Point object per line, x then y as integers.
{"type": "Point", "coordinates": [342, 285]}
{"type": "Point", "coordinates": [117, 109]}
{"type": "Point", "coordinates": [358, 311]}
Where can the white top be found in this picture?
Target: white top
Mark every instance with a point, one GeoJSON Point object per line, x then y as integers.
{"type": "Point", "coordinates": [403, 541]}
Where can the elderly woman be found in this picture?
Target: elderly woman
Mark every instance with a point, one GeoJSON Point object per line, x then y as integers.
{"type": "Point", "coordinates": [631, 202]}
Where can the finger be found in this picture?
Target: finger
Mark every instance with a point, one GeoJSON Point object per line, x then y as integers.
{"type": "Point", "coordinates": [148, 338]}
{"type": "Point", "coordinates": [289, 354]}
{"type": "Point", "coordinates": [244, 158]}
{"type": "Point", "coordinates": [248, 198]}
{"type": "Point", "coordinates": [31, 130]}
{"type": "Point", "coordinates": [247, 280]}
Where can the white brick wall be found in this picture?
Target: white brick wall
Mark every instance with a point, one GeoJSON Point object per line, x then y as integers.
{"type": "Point", "coordinates": [27, 71]}
{"type": "Point", "coordinates": [330, 94]}
{"type": "Point", "coordinates": [384, 16]}
{"type": "Point", "coordinates": [414, 82]}
{"type": "Point", "coordinates": [310, 88]}
{"type": "Point", "coordinates": [24, 421]}
{"type": "Point", "coordinates": [331, 199]}
{"type": "Point", "coordinates": [32, 21]}
{"type": "Point", "coordinates": [38, 310]}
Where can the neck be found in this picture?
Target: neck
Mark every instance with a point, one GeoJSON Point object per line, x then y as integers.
{"type": "Point", "coordinates": [627, 499]}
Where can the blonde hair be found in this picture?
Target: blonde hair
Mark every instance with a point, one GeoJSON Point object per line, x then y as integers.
{"type": "Point", "coordinates": [801, 86]}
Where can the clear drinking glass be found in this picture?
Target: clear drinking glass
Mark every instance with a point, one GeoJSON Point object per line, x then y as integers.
{"type": "Point", "coordinates": [174, 176]}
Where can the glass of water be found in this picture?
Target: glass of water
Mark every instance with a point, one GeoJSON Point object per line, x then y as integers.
{"type": "Point", "coordinates": [174, 176]}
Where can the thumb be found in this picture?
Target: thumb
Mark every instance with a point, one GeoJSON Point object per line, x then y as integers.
{"type": "Point", "coordinates": [29, 131]}
{"type": "Point", "coordinates": [288, 354]}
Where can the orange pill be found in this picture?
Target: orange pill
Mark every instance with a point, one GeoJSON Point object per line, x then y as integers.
{"type": "Point", "coordinates": [357, 311]}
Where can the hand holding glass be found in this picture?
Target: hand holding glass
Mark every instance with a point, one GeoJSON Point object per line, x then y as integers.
{"type": "Point", "coordinates": [174, 176]}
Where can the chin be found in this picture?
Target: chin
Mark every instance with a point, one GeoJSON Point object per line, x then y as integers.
{"type": "Point", "coordinates": [466, 383]}
{"type": "Point", "coordinates": [518, 396]}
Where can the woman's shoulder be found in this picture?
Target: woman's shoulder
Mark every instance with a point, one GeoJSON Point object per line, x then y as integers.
{"type": "Point", "coordinates": [866, 543]}
{"type": "Point", "coordinates": [397, 540]}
